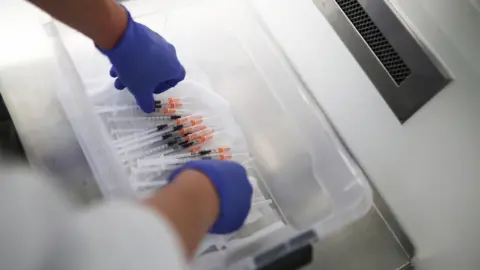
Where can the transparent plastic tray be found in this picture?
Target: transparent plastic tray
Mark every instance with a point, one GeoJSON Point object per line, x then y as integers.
{"type": "Point", "coordinates": [297, 158]}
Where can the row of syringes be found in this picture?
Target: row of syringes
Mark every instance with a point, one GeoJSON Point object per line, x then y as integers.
{"type": "Point", "coordinates": [172, 144]}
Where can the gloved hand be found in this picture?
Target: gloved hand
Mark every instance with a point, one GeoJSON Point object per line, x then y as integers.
{"type": "Point", "coordinates": [233, 188]}
{"type": "Point", "coordinates": [145, 63]}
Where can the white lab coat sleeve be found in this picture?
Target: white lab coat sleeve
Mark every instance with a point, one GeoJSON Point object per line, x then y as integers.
{"type": "Point", "coordinates": [124, 235]}
{"type": "Point", "coordinates": [41, 229]}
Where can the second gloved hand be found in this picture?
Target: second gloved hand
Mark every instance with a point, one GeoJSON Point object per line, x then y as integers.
{"type": "Point", "coordinates": [233, 188]}
{"type": "Point", "coordinates": [145, 63]}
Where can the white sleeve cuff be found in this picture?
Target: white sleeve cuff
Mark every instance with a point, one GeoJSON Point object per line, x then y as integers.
{"type": "Point", "coordinates": [126, 235]}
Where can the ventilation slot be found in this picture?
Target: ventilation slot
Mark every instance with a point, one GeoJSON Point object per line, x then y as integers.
{"type": "Point", "coordinates": [377, 42]}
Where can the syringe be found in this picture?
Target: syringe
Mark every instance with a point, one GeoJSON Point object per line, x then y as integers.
{"type": "Point", "coordinates": [154, 150]}
{"type": "Point", "coordinates": [171, 100]}
{"type": "Point", "coordinates": [145, 118]}
{"type": "Point", "coordinates": [161, 130]}
{"type": "Point", "coordinates": [168, 111]}
{"type": "Point", "coordinates": [201, 152]}
{"type": "Point", "coordinates": [164, 138]}
{"type": "Point", "coordinates": [159, 105]}
{"type": "Point", "coordinates": [114, 108]}
{"type": "Point", "coordinates": [151, 184]}
{"type": "Point", "coordinates": [163, 161]}
{"type": "Point", "coordinates": [189, 141]}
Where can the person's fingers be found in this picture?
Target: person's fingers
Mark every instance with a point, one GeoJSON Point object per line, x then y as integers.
{"type": "Point", "coordinates": [113, 72]}
{"type": "Point", "coordinates": [145, 101]}
{"type": "Point", "coordinates": [173, 83]}
{"type": "Point", "coordinates": [162, 87]}
{"type": "Point", "coordinates": [119, 84]}
{"type": "Point", "coordinates": [165, 86]}
{"type": "Point", "coordinates": [182, 74]}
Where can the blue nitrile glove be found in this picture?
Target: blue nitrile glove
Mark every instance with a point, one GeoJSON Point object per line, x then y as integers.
{"type": "Point", "coordinates": [233, 189]}
{"type": "Point", "coordinates": [145, 63]}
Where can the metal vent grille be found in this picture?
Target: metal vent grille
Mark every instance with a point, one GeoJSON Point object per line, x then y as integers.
{"type": "Point", "coordinates": [377, 42]}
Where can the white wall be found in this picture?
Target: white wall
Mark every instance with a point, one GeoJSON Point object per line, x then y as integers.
{"type": "Point", "coordinates": [427, 169]}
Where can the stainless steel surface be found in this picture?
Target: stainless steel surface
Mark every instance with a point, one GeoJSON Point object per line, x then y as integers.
{"type": "Point", "coordinates": [46, 134]}
{"type": "Point", "coordinates": [376, 40]}
{"type": "Point", "coordinates": [427, 77]}
{"type": "Point", "coordinates": [386, 214]}
{"type": "Point", "coordinates": [29, 88]}
{"type": "Point", "coordinates": [365, 245]}
{"type": "Point", "coordinates": [28, 85]}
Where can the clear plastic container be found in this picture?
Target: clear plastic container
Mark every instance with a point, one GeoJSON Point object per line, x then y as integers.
{"type": "Point", "coordinates": [297, 158]}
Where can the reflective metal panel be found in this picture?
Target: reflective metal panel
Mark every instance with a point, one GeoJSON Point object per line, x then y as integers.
{"type": "Point", "coordinates": [405, 72]}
